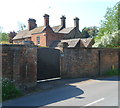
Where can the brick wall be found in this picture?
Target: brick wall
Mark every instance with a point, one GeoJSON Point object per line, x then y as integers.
{"type": "Point", "coordinates": [19, 63]}
{"type": "Point", "coordinates": [52, 37]}
{"type": "Point", "coordinates": [109, 59]}
{"type": "Point", "coordinates": [42, 39]}
{"type": "Point", "coordinates": [88, 62]}
{"type": "Point", "coordinates": [47, 37]}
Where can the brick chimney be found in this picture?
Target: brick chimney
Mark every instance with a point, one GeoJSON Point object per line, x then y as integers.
{"type": "Point", "coordinates": [46, 20]}
{"type": "Point", "coordinates": [76, 22]}
{"type": "Point", "coordinates": [63, 24]}
{"type": "Point", "coordinates": [31, 24]}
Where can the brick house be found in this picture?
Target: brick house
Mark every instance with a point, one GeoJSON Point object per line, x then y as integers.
{"type": "Point", "coordinates": [46, 35]}
{"type": "Point", "coordinates": [52, 36]}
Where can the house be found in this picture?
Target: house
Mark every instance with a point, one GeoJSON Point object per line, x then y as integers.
{"type": "Point", "coordinates": [46, 35]}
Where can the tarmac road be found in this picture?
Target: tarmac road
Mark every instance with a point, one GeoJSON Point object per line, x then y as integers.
{"type": "Point", "coordinates": [92, 92]}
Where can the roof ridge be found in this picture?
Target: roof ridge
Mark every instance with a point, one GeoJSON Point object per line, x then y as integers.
{"type": "Point", "coordinates": [66, 30]}
{"type": "Point", "coordinates": [57, 26]}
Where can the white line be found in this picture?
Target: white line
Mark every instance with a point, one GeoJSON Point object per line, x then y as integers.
{"type": "Point", "coordinates": [94, 102]}
{"type": "Point", "coordinates": [49, 79]}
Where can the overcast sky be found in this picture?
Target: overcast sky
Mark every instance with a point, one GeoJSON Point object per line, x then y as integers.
{"type": "Point", "coordinates": [15, 12]}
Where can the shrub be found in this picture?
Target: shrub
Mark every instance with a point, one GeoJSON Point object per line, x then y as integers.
{"type": "Point", "coordinates": [112, 72]}
{"type": "Point", "coordinates": [9, 90]}
{"type": "Point", "coordinates": [108, 40]}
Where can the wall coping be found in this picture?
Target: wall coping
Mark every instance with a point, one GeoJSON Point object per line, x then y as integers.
{"type": "Point", "coordinates": [16, 45]}
{"type": "Point", "coordinates": [93, 48]}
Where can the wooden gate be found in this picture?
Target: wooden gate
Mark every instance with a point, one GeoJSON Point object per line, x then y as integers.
{"type": "Point", "coordinates": [48, 63]}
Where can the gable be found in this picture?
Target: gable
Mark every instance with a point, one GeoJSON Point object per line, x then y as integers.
{"type": "Point", "coordinates": [71, 42]}
{"type": "Point", "coordinates": [73, 34]}
{"type": "Point", "coordinates": [87, 42]}
{"type": "Point", "coordinates": [57, 28]}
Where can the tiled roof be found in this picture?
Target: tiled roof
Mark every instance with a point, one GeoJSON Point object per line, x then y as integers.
{"type": "Point", "coordinates": [57, 28]}
{"type": "Point", "coordinates": [71, 42]}
{"type": "Point", "coordinates": [27, 33]}
{"type": "Point", "coordinates": [23, 34]}
{"type": "Point", "coordinates": [73, 34]}
{"type": "Point", "coordinates": [66, 30]}
{"type": "Point", "coordinates": [38, 29]}
{"type": "Point", "coordinates": [87, 42]}
{"type": "Point", "coordinates": [55, 43]}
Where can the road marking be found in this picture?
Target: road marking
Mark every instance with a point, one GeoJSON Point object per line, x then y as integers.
{"type": "Point", "coordinates": [94, 102]}
{"type": "Point", "coordinates": [49, 79]}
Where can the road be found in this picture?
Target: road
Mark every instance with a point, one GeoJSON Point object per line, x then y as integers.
{"type": "Point", "coordinates": [92, 92]}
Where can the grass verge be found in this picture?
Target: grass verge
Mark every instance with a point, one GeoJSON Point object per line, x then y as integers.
{"type": "Point", "coordinates": [112, 72]}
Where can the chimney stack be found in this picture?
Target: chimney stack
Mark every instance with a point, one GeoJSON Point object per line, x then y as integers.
{"type": "Point", "coordinates": [76, 22]}
{"type": "Point", "coordinates": [46, 20]}
{"type": "Point", "coordinates": [31, 24]}
{"type": "Point", "coordinates": [63, 21]}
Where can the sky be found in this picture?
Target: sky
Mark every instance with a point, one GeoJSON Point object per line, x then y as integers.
{"type": "Point", "coordinates": [16, 12]}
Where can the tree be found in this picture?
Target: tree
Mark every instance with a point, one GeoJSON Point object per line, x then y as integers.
{"type": "Point", "coordinates": [109, 40]}
{"type": "Point", "coordinates": [109, 32]}
{"type": "Point", "coordinates": [90, 31]}
{"type": "Point", "coordinates": [3, 36]}
{"type": "Point", "coordinates": [85, 32]}
{"type": "Point", "coordinates": [11, 35]}
{"type": "Point", "coordinates": [111, 20]}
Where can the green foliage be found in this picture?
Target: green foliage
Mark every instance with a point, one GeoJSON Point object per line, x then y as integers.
{"type": "Point", "coordinates": [85, 32]}
{"type": "Point", "coordinates": [90, 31]}
{"type": "Point", "coordinates": [4, 37]}
{"type": "Point", "coordinates": [109, 32]}
{"type": "Point", "coordinates": [111, 20]}
{"type": "Point", "coordinates": [112, 72]}
{"type": "Point", "coordinates": [108, 41]}
{"type": "Point", "coordinates": [9, 91]}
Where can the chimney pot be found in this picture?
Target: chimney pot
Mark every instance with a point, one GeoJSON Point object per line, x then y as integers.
{"type": "Point", "coordinates": [46, 19]}
{"type": "Point", "coordinates": [31, 24]}
{"type": "Point", "coordinates": [76, 22]}
{"type": "Point", "coordinates": [63, 21]}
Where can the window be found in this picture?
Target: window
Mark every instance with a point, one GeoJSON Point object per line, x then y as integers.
{"type": "Point", "coordinates": [38, 40]}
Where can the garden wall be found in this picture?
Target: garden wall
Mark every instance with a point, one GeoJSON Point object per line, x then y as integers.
{"type": "Point", "coordinates": [19, 63]}
{"type": "Point", "coordinates": [109, 59]}
{"type": "Point", "coordinates": [88, 62]}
